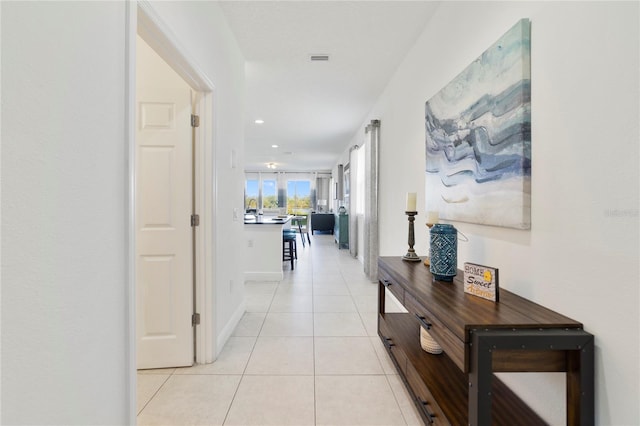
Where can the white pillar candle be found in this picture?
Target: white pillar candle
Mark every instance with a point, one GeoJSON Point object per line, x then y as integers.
{"type": "Point", "coordinates": [433, 217]}
{"type": "Point", "coordinates": [411, 202]}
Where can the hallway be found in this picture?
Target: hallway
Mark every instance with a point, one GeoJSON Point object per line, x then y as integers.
{"type": "Point", "coordinates": [306, 352]}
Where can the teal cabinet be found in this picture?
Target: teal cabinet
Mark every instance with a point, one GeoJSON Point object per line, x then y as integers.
{"type": "Point", "coordinates": [341, 231]}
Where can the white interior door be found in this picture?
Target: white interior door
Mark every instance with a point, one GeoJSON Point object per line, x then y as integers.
{"type": "Point", "coordinates": [164, 251]}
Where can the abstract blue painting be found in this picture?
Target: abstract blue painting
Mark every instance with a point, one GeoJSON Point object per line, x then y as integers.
{"type": "Point", "coordinates": [478, 138]}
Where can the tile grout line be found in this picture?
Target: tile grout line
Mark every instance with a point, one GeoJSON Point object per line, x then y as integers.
{"type": "Point", "coordinates": [233, 398]}
{"type": "Point", "coordinates": [155, 393]}
{"type": "Point", "coordinates": [244, 370]}
{"type": "Point", "coordinates": [313, 333]}
{"type": "Point", "coordinates": [395, 397]}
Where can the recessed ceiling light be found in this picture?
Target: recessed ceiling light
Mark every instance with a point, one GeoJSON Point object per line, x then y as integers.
{"type": "Point", "coordinates": [271, 165]}
{"type": "Point", "coordinates": [274, 146]}
{"type": "Point", "coordinates": [259, 121]}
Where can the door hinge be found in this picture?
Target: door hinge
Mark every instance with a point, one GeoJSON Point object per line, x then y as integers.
{"type": "Point", "coordinates": [195, 319]}
{"type": "Point", "coordinates": [195, 220]}
{"type": "Point", "coordinates": [195, 120]}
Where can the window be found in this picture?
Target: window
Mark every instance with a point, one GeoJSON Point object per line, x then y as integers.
{"type": "Point", "coordinates": [269, 194]}
{"type": "Point", "coordinates": [298, 196]}
{"type": "Point", "coordinates": [251, 194]}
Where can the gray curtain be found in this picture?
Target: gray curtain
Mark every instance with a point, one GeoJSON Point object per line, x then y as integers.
{"type": "Point", "coordinates": [353, 200]}
{"type": "Point", "coordinates": [314, 191]}
{"type": "Point", "coordinates": [282, 190]}
{"type": "Point", "coordinates": [371, 245]}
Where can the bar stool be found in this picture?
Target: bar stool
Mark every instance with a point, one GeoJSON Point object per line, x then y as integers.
{"type": "Point", "coordinates": [301, 223]}
{"type": "Point", "coordinates": [289, 247]}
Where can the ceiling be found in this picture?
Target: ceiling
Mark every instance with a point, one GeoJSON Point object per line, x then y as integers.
{"type": "Point", "coordinates": [311, 110]}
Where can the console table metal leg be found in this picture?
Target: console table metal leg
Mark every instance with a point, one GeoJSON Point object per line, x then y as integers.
{"type": "Point", "coordinates": [577, 345]}
{"type": "Point", "coordinates": [480, 376]}
{"type": "Point", "coordinates": [580, 385]}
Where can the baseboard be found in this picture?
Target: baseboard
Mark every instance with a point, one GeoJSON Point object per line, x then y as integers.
{"type": "Point", "coordinates": [227, 330]}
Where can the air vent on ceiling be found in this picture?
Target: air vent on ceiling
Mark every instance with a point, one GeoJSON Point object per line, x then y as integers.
{"type": "Point", "coordinates": [319, 58]}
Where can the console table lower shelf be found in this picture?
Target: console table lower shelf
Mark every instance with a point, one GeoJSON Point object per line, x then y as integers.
{"type": "Point", "coordinates": [478, 338]}
{"type": "Point", "coordinates": [439, 387]}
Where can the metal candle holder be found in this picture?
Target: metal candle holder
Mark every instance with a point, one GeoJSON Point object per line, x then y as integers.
{"type": "Point", "coordinates": [411, 255]}
{"type": "Point", "coordinates": [427, 259]}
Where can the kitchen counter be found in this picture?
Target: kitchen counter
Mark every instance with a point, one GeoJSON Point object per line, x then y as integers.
{"type": "Point", "coordinates": [263, 247]}
{"type": "Point", "coordinates": [267, 220]}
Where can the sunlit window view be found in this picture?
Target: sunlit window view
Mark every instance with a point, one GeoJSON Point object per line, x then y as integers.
{"type": "Point", "coordinates": [298, 197]}
{"type": "Point", "coordinates": [269, 194]}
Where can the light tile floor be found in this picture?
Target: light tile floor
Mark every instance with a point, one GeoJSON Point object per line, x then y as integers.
{"type": "Point", "coordinates": [306, 352]}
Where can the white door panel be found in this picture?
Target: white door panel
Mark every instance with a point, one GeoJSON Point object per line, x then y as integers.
{"type": "Point", "coordinates": [164, 272]}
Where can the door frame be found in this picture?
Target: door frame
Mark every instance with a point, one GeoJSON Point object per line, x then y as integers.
{"type": "Point", "coordinates": [142, 19]}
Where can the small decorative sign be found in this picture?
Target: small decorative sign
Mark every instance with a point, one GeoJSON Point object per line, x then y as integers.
{"type": "Point", "coordinates": [481, 281]}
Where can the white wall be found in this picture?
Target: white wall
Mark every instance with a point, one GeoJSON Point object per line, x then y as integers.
{"type": "Point", "coordinates": [581, 255]}
{"type": "Point", "coordinates": [64, 174]}
{"type": "Point", "coordinates": [64, 193]}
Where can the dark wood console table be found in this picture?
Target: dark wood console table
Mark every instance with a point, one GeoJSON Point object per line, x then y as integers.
{"type": "Point", "coordinates": [479, 337]}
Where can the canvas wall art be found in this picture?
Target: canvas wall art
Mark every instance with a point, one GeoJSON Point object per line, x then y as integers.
{"type": "Point", "coordinates": [478, 138]}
